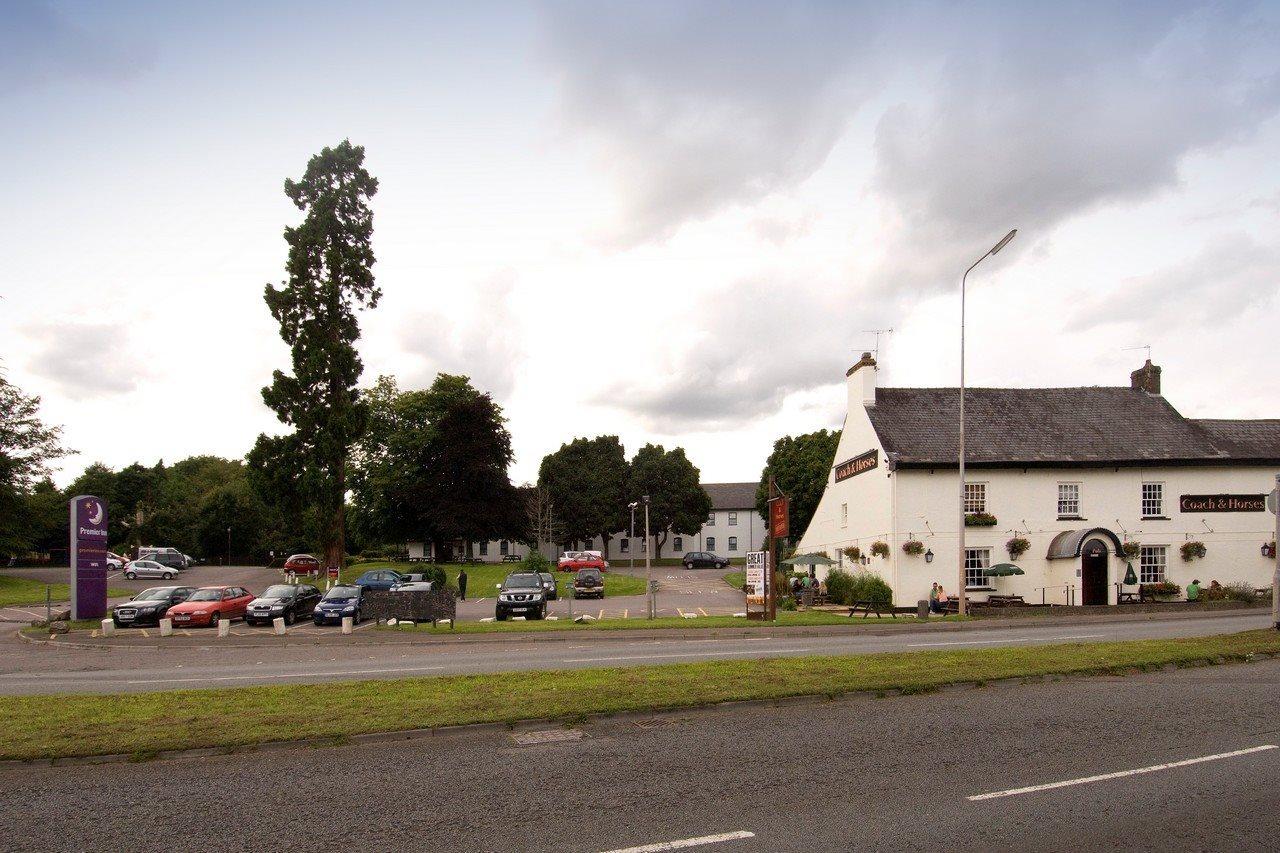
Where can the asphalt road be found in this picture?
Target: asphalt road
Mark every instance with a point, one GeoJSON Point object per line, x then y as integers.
{"type": "Point", "coordinates": [855, 773]}
{"type": "Point", "coordinates": [28, 669]}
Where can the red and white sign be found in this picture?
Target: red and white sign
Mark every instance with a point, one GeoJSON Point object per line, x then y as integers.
{"type": "Point", "coordinates": [779, 518]}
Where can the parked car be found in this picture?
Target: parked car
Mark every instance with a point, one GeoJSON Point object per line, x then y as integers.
{"type": "Point", "coordinates": [190, 560]}
{"type": "Point", "coordinates": [567, 559]}
{"type": "Point", "coordinates": [379, 579]}
{"type": "Point", "coordinates": [302, 564]}
{"type": "Point", "coordinates": [582, 560]}
{"type": "Point", "coordinates": [588, 583]}
{"type": "Point", "coordinates": [413, 586]}
{"type": "Point", "coordinates": [173, 560]}
{"type": "Point", "coordinates": [342, 600]}
{"type": "Point", "coordinates": [115, 561]}
{"type": "Point", "coordinates": [549, 584]}
{"type": "Point", "coordinates": [521, 594]}
{"type": "Point", "coordinates": [704, 560]}
{"type": "Point", "coordinates": [286, 601]}
{"type": "Point", "coordinates": [149, 569]}
{"type": "Point", "coordinates": [149, 606]}
{"type": "Point", "coordinates": [209, 605]}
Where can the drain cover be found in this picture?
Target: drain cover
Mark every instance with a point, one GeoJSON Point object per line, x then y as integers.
{"type": "Point", "coordinates": [547, 736]}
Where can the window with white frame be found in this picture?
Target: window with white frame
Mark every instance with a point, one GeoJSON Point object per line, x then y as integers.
{"type": "Point", "coordinates": [1152, 561]}
{"type": "Point", "coordinates": [733, 519]}
{"type": "Point", "coordinates": [975, 497]}
{"type": "Point", "coordinates": [711, 543]}
{"type": "Point", "coordinates": [1152, 500]}
{"type": "Point", "coordinates": [1068, 500]}
{"type": "Point", "coordinates": [484, 549]}
{"type": "Point", "coordinates": [976, 561]}
{"type": "Point", "coordinates": [711, 518]}
{"type": "Point", "coordinates": [678, 543]}
{"type": "Point", "coordinates": [844, 515]}
{"type": "Point", "coordinates": [733, 543]}
{"type": "Point", "coordinates": [624, 545]}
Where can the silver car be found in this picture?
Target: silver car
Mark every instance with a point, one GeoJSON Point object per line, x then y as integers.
{"type": "Point", "coordinates": [148, 569]}
{"type": "Point", "coordinates": [412, 586]}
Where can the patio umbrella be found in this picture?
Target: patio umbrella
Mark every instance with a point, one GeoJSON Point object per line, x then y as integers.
{"type": "Point", "coordinates": [809, 560]}
{"type": "Point", "coordinates": [1002, 570]}
{"type": "Point", "coordinates": [1129, 577]}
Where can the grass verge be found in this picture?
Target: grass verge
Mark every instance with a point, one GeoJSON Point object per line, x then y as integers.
{"type": "Point", "coordinates": [737, 580]}
{"type": "Point", "coordinates": [483, 577]}
{"type": "Point", "coordinates": [15, 591]}
{"type": "Point", "coordinates": [145, 723]}
{"type": "Point", "coordinates": [786, 618]}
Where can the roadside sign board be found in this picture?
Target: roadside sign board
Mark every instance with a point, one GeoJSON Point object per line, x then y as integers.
{"type": "Point", "coordinates": [333, 573]}
{"type": "Point", "coordinates": [88, 552]}
{"type": "Point", "coordinates": [757, 578]}
{"type": "Point", "coordinates": [779, 518]}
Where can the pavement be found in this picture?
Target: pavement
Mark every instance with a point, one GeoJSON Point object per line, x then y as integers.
{"type": "Point", "coordinates": [1186, 759]}
{"type": "Point", "coordinates": [195, 663]}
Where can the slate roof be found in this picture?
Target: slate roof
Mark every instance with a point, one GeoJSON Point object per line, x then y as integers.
{"type": "Point", "coordinates": [1024, 427]}
{"type": "Point", "coordinates": [731, 495]}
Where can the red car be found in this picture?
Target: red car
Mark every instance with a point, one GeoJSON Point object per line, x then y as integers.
{"type": "Point", "coordinates": [304, 564]}
{"type": "Point", "coordinates": [209, 605]}
{"type": "Point", "coordinates": [572, 561]}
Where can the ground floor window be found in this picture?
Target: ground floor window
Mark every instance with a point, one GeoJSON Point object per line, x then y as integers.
{"type": "Point", "coordinates": [678, 543]}
{"type": "Point", "coordinates": [1152, 561]}
{"type": "Point", "coordinates": [484, 549]}
{"type": "Point", "coordinates": [733, 543]}
{"type": "Point", "coordinates": [711, 543]}
{"type": "Point", "coordinates": [976, 561]}
{"type": "Point", "coordinates": [504, 547]}
{"type": "Point", "coordinates": [624, 545]}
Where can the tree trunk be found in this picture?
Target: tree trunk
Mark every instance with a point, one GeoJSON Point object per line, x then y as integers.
{"type": "Point", "coordinates": [659, 542]}
{"type": "Point", "coordinates": [335, 548]}
{"type": "Point", "coordinates": [604, 541]}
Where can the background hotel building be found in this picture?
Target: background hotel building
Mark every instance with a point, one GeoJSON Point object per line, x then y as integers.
{"type": "Point", "coordinates": [1077, 472]}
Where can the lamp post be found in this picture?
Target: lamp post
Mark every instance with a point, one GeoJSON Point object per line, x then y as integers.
{"type": "Point", "coordinates": [228, 546]}
{"type": "Point", "coordinates": [648, 563]}
{"type": "Point", "coordinates": [631, 542]}
{"type": "Point", "coordinates": [963, 607]}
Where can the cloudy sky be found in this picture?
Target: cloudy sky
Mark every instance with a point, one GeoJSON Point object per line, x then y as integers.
{"type": "Point", "coordinates": [671, 221]}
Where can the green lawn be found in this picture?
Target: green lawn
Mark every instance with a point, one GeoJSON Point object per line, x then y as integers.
{"type": "Point", "coordinates": [25, 591]}
{"type": "Point", "coordinates": [482, 578]}
{"type": "Point", "coordinates": [143, 723]}
{"type": "Point", "coordinates": [737, 580]}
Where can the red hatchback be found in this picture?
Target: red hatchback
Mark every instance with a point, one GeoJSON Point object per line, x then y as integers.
{"type": "Point", "coordinates": [302, 564]}
{"type": "Point", "coordinates": [209, 605]}
{"type": "Point", "coordinates": [573, 561]}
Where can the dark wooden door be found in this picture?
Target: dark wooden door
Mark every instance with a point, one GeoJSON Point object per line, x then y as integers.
{"type": "Point", "coordinates": [1093, 572]}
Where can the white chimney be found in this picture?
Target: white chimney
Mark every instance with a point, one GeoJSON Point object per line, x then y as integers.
{"type": "Point", "coordinates": [861, 382]}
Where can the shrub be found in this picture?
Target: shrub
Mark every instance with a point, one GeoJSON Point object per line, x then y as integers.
{"type": "Point", "coordinates": [913, 547]}
{"type": "Point", "coordinates": [786, 602]}
{"type": "Point", "coordinates": [880, 549]}
{"type": "Point", "coordinates": [1192, 550]}
{"type": "Point", "coordinates": [536, 562]}
{"type": "Point", "coordinates": [869, 586]}
{"type": "Point", "coordinates": [436, 575]}
{"type": "Point", "coordinates": [979, 519]}
{"type": "Point", "coordinates": [1017, 546]}
{"type": "Point", "coordinates": [1239, 591]}
{"type": "Point", "coordinates": [839, 586]}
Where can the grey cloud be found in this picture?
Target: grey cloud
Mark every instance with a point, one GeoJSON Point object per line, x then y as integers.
{"type": "Point", "coordinates": [39, 44]}
{"type": "Point", "coordinates": [86, 360]}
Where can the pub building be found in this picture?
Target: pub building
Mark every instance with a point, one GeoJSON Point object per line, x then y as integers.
{"type": "Point", "coordinates": [1095, 480]}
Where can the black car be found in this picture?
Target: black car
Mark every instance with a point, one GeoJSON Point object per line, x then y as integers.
{"type": "Point", "coordinates": [704, 560]}
{"type": "Point", "coordinates": [588, 583]}
{"type": "Point", "coordinates": [149, 606]}
{"type": "Point", "coordinates": [549, 584]}
{"type": "Point", "coordinates": [342, 600]}
{"type": "Point", "coordinates": [521, 594]}
{"type": "Point", "coordinates": [170, 559]}
{"type": "Point", "coordinates": [287, 601]}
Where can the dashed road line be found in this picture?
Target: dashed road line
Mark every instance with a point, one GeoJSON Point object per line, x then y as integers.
{"type": "Point", "coordinates": [1007, 640]}
{"type": "Point", "coordinates": [683, 843]}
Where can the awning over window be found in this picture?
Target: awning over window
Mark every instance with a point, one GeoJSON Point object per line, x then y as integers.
{"type": "Point", "coordinates": [1067, 544]}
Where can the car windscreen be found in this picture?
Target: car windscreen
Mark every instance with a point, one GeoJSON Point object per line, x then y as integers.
{"type": "Point", "coordinates": [341, 593]}
{"type": "Point", "coordinates": [522, 582]}
{"type": "Point", "coordinates": [594, 574]}
{"type": "Point", "coordinates": [158, 593]}
{"type": "Point", "coordinates": [279, 590]}
{"type": "Point", "coordinates": [206, 595]}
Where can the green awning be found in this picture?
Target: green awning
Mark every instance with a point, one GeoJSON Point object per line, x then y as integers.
{"type": "Point", "coordinates": [1002, 570]}
{"type": "Point", "coordinates": [809, 560]}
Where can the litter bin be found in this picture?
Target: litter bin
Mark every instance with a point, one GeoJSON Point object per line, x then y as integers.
{"type": "Point", "coordinates": [922, 608]}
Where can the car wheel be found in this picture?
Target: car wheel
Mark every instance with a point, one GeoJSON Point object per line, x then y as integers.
{"type": "Point", "coordinates": [131, 575]}
{"type": "Point", "coordinates": [688, 565]}
{"type": "Point", "coordinates": [319, 623]}
{"type": "Point", "coordinates": [168, 576]}
{"type": "Point", "coordinates": [213, 620]}
{"type": "Point", "coordinates": [289, 617]}
{"type": "Point", "coordinates": [357, 617]}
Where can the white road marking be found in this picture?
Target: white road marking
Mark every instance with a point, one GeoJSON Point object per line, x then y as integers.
{"type": "Point", "coordinates": [1013, 792]}
{"type": "Point", "coordinates": [286, 675]}
{"type": "Point", "coordinates": [1008, 640]}
{"type": "Point", "coordinates": [680, 655]}
{"type": "Point", "coordinates": [682, 843]}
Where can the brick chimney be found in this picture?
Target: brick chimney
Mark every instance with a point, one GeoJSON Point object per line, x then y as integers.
{"type": "Point", "coordinates": [1146, 378]}
{"type": "Point", "coordinates": [861, 382]}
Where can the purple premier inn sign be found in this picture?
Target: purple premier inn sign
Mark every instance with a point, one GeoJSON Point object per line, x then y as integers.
{"type": "Point", "coordinates": [88, 557]}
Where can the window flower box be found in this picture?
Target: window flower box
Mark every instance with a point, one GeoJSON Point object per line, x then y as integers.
{"type": "Point", "coordinates": [979, 519]}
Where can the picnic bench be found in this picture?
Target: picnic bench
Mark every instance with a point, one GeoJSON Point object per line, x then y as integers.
{"type": "Point", "coordinates": [1003, 600]}
{"type": "Point", "coordinates": [867, 607]}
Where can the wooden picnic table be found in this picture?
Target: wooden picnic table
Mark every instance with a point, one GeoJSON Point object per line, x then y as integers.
{"type": "Point", "coordinates": [868, 607]}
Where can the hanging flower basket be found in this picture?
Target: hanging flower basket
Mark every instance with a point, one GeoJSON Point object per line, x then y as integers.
{"type": "Point", "coordinates": [1193, 550]}
{"type": "Point", "coordinates": [1017, 546]}
{"type": "Point", "coordinates": [979, 519]}
{"type": "Point", "coordinates": [853, 553]}
{"type": "Point", "coordinates": [913, 548]}
{"type": "Point", "coordinates": [1131, 550]}
{"type": "Point", "coordinates": [880, 549]}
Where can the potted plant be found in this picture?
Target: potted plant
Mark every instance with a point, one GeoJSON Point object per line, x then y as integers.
{"type": "Point", "coordinates": [853, 552]}
{"type": "Point", "coordinates": [880, 549]}
{"type": "Point", "coordinates": [1192, 550]}
{"type": "Point", "coordinates": [1131, 550]}
{"type": "Point", "coordinates": [1017, 546]}
{"type": "Point", "coordinates": [979, 519]}
{"type": "Point", "coordinates": [913, 548]}
{"type": "Point", "coordinates": [1164, 590]}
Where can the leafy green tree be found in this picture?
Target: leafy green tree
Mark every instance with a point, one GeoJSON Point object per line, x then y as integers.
{"type": "Point", "coordinates": [27, 447]}
{"type": "Point", "coordinates": [234, 506]}
{"type": "Point", "coordinates": [330, 277]}
{"type": "Point", "coordinates": [137, 491]}
{"type": "Point", "coordinates": [586, 482]}
{"type": "Point", "coordinates": [800, 465]}
{"type": "Point", "coordinates": [677, 502]}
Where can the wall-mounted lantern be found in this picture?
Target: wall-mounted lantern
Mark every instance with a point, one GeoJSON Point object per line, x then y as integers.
{"type": "Point", "coordinates": [928, 556]}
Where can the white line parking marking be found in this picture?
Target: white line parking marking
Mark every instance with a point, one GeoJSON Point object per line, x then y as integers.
{"type": "Point", "coordinates": [1009, 640]}
{"type": "Point", "coordinates": [286, 675]}
{"type": "Point", "coordinates": [682, 843]}
{"type": "Point", "coordinates": [1013, 792]}
{"type": "Point", "coordinates": [681, 655]}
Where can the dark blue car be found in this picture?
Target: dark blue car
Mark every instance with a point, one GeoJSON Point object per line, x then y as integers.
{"type": "Point", "coordinates": [380, 579]}
{"type": "Point", "coordinates": [342, 600]}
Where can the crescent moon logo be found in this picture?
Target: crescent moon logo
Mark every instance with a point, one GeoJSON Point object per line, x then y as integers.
{"type": "Point", "coordinates": [96, 509]}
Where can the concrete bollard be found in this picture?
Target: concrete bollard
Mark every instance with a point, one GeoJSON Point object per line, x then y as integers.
{"type": "Point", "coordinates": [278, 624]}
{"type": "Point", "coordinates": [348, 624]}
{"type": "Point", "coordinates": [108, 627]}
{"type": "Point", "coordinates": [166, 627]}
{"type": "Point", "coordinates": [224, 628]}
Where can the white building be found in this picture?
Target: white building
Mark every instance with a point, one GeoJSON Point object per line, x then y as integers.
{"type": "Point", "coordinates": [733, 527]}
{"type": "Point", "coordinates": [1077, 472]}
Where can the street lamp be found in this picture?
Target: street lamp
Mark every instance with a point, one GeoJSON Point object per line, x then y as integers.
{"type": "Point", "coordinates": [961, 609]}
{"type": "Point", "coordinates": [228, 546]}
{"type": "Point", "coordinates": [648, 564]}
{"type": "Point", "coordinates": [631, 543]}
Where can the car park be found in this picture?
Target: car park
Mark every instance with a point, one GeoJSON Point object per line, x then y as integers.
{"type": "Point", "coordinates": [303, 564]}
{"type": "Point", "coordinates": [588, 583]}
{"type": "Point", "coordinates": [521, 594]}
{"type": "Point", "coordinates": [285, 601]}
{"type": "Point", "coordinates": [704, 560]}
{"type": "Point", "coordinates": [149, 606]}
{"type": "Point", "coordinates": [209, 605]}
{"type": "Point", "coordinates": [380, 579]}
{"type": "Point", "coordinates": [149, 569]}
{"type": "Point", "coordinates": [342, 600]}
{"type": "Point", "coordinates": [549, 585]}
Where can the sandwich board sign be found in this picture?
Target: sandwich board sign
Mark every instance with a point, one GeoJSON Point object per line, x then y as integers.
{"type": "Point", "coordinates": [756, 584]}
{"type": "Point", "coordinates": [88, 554]}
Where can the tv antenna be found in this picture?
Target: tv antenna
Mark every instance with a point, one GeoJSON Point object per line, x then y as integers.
{"type": "Point", "coordinates": [875, 350]}
{"type": "Point", "coordinates": [1146, 347]}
